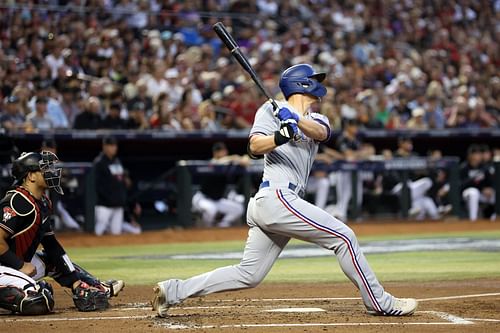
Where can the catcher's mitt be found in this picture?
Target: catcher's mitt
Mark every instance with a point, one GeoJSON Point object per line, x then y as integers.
{"type": "Point", "coordinates": [87, 298]}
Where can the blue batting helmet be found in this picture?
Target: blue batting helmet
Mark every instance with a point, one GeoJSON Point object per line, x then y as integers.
{"type": "Point", "coordinates": [302, 79]}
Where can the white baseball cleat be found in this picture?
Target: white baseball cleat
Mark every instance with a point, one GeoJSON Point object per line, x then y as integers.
{"type": "Point", "coordinates": [401, 307]}
{"type": "Point", "coordinates": [159, 301]}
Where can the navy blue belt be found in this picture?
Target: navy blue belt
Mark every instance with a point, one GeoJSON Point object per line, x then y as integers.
{"type": "Point", "coordinates": [266, 183]}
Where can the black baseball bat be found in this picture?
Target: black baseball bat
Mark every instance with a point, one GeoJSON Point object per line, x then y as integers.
{"type": "Point", "coordinates": [235, 50]}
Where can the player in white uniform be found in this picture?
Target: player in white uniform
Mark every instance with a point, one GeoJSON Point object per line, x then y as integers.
{"type": "Point", "coordinates": [277, 212]}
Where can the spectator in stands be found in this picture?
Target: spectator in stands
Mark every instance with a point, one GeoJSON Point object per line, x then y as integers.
{"type": "Point", "coordinates": [142, 96]}
{"type": "Point", "coordinates": [156, 83]}
{"type": "Point", "coordinates": [55, 58]}
{"type": "Point", "coordinates": [163, 117]}
{"type": "Point", "coordinates": [476, 180]}
{"type": "Point", "coordinates": [113, 119]}
{"type": "Point", "coordinates": [54, 109]}
{"type": "Point", "coordinates": [137, 119]}
{"type": "Point", "coordinates": [434, 113]}
{"type": "Point", "coordinates": [212, 200]}
{"type": "Point", "coordinates": [40, 120]}
{"type": "Point", "coordinates": [23, 94]}
{"type": "Point", "coordinates": [11, 117]}
{"type": "Point", "coordinates": [69, 103]}
{"type": "Point", "coordinates": [207, 116]}
{"type": "Point", "coordinates": [457, 113]}
{"type": "Point", "coordinates": [90, 117]}
{"type": "Point", "coordinates": [111, 189]}
{"type": "Point", "coordinates": [377, 48]}
{"type": "Point", "coordinates": [417, 120]}
{"type": "Point", "coordinates": [186, 111]}
{"type": "Point", "coordinates": [175, 89]}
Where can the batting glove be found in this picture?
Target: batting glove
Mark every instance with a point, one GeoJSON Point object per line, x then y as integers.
{"type": "Point", "coordinates": [288, 130]}
{"type": "Point", "coordinates": [285, 114]}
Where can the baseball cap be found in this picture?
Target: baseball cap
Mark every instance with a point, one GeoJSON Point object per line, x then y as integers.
{"type": "Point", "coordinates": [49, 143]}
{"type": "Point", "coordinates": [43, 84]}
{"type": "Point", "coordinates": [109, 140]}
{"type": "Point", "coordinates": [41, 100]}
{"type": "Point", "coordinates": [115, 106]}
{"type": "Point", "coordinates": [218, 146]}
{"type": "Point", "coordinates": [474, 149]}
{"type": "Point", "coordinates": [138, 105]}
{"type": "Point", "coordinates": [12, 99]}
{"type": "Point", "coordinates": [351, 122]}
{"type": "Point", "coordinates": [172, 73]}
{"type": "Point", "coordinates": [404, 137]}
{"type": "Point", "coordinates": [417, 112]}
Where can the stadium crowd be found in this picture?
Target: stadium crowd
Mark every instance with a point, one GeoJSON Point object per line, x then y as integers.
{"type": "Point", "coordinates": [151, 64]}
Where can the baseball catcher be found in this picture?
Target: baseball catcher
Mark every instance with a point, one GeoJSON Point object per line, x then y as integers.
{"type": "Point", "coordinates": [24, 226]}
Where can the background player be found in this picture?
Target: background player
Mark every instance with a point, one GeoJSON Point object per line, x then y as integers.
{"type": "Point", "coordinates": [212, 200]}
{"type": "Point", "coordinates": [24, 226]}
{"type": "Point", "coordinates": [277, 212]}
{"type": "Point", "coordinates": [351, 148]}
{"type": "Point", "coordinates": [477, 183]}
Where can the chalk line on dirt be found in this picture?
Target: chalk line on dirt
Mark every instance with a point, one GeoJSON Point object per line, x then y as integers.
{"type": "Point", "coordinates": [457, 297]}
{"type": "Point", "coordinates": [449, 317]}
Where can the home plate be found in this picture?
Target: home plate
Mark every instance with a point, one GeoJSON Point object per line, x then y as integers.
{"type": "Point", "coordinates": [296, 310]}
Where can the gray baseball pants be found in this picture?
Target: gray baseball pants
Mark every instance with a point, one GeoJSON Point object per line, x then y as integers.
{"type": "Point", "coordinates": [274, 216]}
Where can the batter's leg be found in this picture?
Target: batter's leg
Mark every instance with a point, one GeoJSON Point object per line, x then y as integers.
{"type": "Point", "coordinates": [261, 251]}
{"type": "Point", "coordinates": [302, 220]}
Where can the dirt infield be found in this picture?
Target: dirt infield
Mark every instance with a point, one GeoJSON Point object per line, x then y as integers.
{"type": "Point", "coordinates": [448, 306]}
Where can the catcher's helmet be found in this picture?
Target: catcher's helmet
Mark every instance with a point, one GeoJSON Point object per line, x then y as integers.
{"type": "Point", "coordinates": [302, 79]}
{"type": "Point", "coordinates": [45, 162]}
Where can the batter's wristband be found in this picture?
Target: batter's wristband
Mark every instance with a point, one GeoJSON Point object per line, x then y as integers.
{"type": "Point", "coordinates": [9, 259]}
{"type": "Point", "coordinates": [280, 139]}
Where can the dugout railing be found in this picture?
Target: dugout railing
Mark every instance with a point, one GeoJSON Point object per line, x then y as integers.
{"type": "Point", "coordinates": [187, 170]}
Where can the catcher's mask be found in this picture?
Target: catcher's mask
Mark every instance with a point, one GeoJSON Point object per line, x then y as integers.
{"type": "Point", "coordinates": [45, 161]}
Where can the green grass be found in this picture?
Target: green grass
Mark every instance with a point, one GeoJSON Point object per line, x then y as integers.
{"type": "Point", "coordinates": [108, 262]}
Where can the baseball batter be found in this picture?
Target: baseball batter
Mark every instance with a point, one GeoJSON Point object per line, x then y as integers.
{"type": "Point", "coordinates": [277, 212]}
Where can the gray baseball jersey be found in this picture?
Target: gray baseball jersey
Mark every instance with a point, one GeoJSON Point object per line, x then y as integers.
{"type": "Point", "coordinates": [290, 162]}
{"type": "Point", "coordinates": [276, 214]}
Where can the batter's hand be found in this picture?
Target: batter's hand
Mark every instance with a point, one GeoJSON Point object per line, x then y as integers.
{"type": "Point", "coordinates": [288, 130]}
{"type": "Point", "coordinates": [285, 114]}
{"type": "Point", "coordinates": [28, 269]}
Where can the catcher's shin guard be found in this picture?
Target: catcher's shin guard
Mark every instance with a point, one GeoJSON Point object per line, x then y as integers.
{"type": "Point", "coordinates": [28, 302]}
